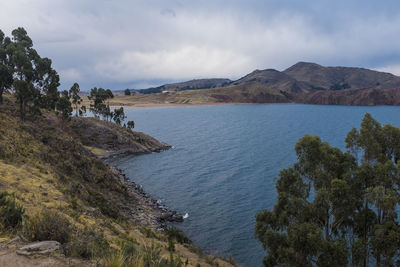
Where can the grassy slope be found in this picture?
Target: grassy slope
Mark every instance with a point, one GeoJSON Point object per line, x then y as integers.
{"type": "Point", "coordinates": [252, 92]}
{"type": "Point", "coordinates": [45, 164]}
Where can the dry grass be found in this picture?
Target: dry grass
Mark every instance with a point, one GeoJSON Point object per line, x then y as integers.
{"type": "Point", "coordinates": [244, 93]}
{"type": "Point", "coordinates": [48, 170]}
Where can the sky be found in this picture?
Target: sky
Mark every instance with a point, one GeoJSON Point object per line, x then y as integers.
{"type": "Point", "coordinates": [120, 44]}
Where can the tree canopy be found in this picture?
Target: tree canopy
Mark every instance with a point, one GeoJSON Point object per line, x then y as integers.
{"type": "Point", "coordinates": [337, 208]}
{"type": "Point", "coordinates": [31, 78]}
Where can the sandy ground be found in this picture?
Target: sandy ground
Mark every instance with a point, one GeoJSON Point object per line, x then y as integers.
{"type": "Point", "coordinates": [9, 258]}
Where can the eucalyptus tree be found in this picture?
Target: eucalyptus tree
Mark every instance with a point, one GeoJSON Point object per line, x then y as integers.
{"type": "Point", "coordinates": [131, 124]}
{"type": "Point", "coordinates": [303, 230]}
{"type": "Point", "coordinates": [63, 105]}
{"type": "Point", "coordinates": [6, 73]}
{"type": "Point", "coordinates": [24, 59]}
{"type": "Point", "coordinates": [337, 208]}
{"type": "Point", "coordinates": [376, 186]}
{"type": "Point", "coordinates": [76, 99]}
{"type": "Point", "coordinates": [49, 82]}
{"type": "Point", "coordinates": [35, 81]}
{"type": "Point", "coordinates": [119, 115]}
{"type": "Point", "coordinates": [98, 96]}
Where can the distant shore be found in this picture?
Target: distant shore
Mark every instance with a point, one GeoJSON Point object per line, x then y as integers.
{"type": "Point", "coordinates": [140, 106]}
{"type": "Point", "coordinates": [152, 105]}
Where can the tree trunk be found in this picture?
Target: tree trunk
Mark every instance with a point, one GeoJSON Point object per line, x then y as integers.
{"type": "Point", "coordinates": [1, 94]}
{"type": "Point", "coordinates": [365, 235]}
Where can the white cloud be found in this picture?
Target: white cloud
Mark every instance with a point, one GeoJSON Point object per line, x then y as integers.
{"type": "Point", "coordinates": [394, 69]}
{"type": "Point", "coordinates": [70, 75]}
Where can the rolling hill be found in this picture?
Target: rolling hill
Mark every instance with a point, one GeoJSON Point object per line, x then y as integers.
{"type": "Point", "coordinates": [303, 82]}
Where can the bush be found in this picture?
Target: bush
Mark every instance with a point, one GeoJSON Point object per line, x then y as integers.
{"type": "Point", "coordinates": [87, 244]}
{"type": "Point", "coordinates": [48, 225]}
{"type": "Point", "coordinates": [178, 235]}
{"type": "Point", "coordinates": [147, 232]}
{"type": "Point", "coordinates": [10, 212]}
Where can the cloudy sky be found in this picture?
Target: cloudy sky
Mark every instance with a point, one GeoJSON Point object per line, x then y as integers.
{"type": "Point", "coordinates": [121, 44]}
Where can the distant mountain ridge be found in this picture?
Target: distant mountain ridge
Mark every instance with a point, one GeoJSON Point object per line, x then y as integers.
{"type": "Point", "coordinates": [334, 77]}
{"type": "Point", "coordinates": [188, 85]}
{"type": "Point", "coordinates": [303, 82]}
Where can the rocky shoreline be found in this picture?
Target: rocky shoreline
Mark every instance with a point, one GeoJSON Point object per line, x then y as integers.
{"type": "Point", "coordinates": [160, 214]}
{"type": "Point", "coordinates": [107, 140]}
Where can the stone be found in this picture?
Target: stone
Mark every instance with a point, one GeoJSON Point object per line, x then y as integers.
{"type": "Point", "coordinates": [43, 247]}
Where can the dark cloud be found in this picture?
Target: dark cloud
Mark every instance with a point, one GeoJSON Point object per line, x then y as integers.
{"type": "Point", "coordinates": [123, 43]}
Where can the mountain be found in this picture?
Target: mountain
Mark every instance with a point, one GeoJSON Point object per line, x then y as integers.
{"type": "Point", "coordinates": [188, 85]}
{"type": "Point", "coordinates": [275, 80]}
{"type": "Point", "coordinates": [338, 78]}
{"type": "Point", "coordinates": [304, 82]}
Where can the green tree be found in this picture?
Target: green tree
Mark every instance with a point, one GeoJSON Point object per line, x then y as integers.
{"type": "Point", "coordinates": [6, 72]}
{"type": "Point", "coordinates": [63, 106]}
{"type": "Point", "coordinates": [376, 185]}
{"type": "Point", "coordinates": [301, 230]}
{"type": "Point", "coordinates": [333, 207]}
{"type": "Point", "coordinates": [49, 83]}
{"type": "Point", "coordinates": [24, 59]}
{"type": "Point", "coordinates": [76, 99]}
{"type": "Point", "coordinates": [127, 92]}
{"type": "Point", "coordinates": [97, 97]}
{"type": "Point", "coordinates": [82, 110]}
{"type": "Point", "coordinates": [119, 115]}
{"type": "Point", "coordinates": [35, 82]}
{"type": "Point", "coordinates": [131, 124]}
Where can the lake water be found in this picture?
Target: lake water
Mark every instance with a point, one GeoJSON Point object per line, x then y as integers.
{"type": "Point", "coordinates": [224, 160]}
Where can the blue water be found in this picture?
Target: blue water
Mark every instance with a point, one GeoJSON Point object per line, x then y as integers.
{"type": "Point", "coordinates": [224, 160]}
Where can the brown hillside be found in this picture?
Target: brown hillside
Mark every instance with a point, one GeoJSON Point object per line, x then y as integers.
{"type": "Point", "coordinates": [357, 78]}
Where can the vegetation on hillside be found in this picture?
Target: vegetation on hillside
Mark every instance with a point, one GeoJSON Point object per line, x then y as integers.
{"type": "Point", "coordinates": [337, 208]}
{"type": "Point", "coordinates": [53, 187]}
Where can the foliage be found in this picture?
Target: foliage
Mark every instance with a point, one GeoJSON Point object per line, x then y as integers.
{"type": "Point", "coordinates": [174, 233]}
{"type": "Point", "coordinates": [6, 74]}
{"type": "Point", "coordinates": [339, 86]}
{"type": "Point", "coordinates": [119, 115]}
{"type": "Point", "coordinates": [97, 98]}
{"type": "Point", "coordinates": [87, 243]}
{"type": "Point", "coordinates": [147, 232]}
{"type": "Point", "coordinates": [131, 124]}
{"type": "Point", "coordinates": [82, 110]}
{"type": "Point", "coordinates": [76, 99]}
{"type": "Point", "coordinates": [32, 74]}
{"type": "Point", "coordinates": [335, 208]}
{"type": "Point", "coordinates": [31, 78]}
{"type": "Point", "coordinates": [10, 212]}
{"type": "Point", "coordinates": [63, 105]}
{"type": "Point", "coordinates": [48, 225]}
{"type": "Point", "coordinates": [127, 92]}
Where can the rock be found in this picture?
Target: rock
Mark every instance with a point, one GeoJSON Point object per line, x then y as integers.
{"type": "Point", "coordinates": [16, 239]}
{"type": "Point", "coordinates": [176, 218]}
{"type": "Point", "coordinates": [171, 216]}
{"type": "Point", "coordinates": [43, 247]}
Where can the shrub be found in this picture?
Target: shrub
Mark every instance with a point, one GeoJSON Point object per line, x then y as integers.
{"type": "Point", "coordinates": [87, 243]}
{"type": "Point", "coordinates": [178, 235]}
{"type": "Point", "coordinates": [150, 256]}
{"type": "Point", "coordinates": [10, 212]}
{"type": "Point", "coordinates": [115, 259]}
{"type": "Point", "coordinates": [171, 245]}
{"type": "Point", "coordinates": [48, 225]}
{"type": "Point", "coordinates": [147, 232]}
